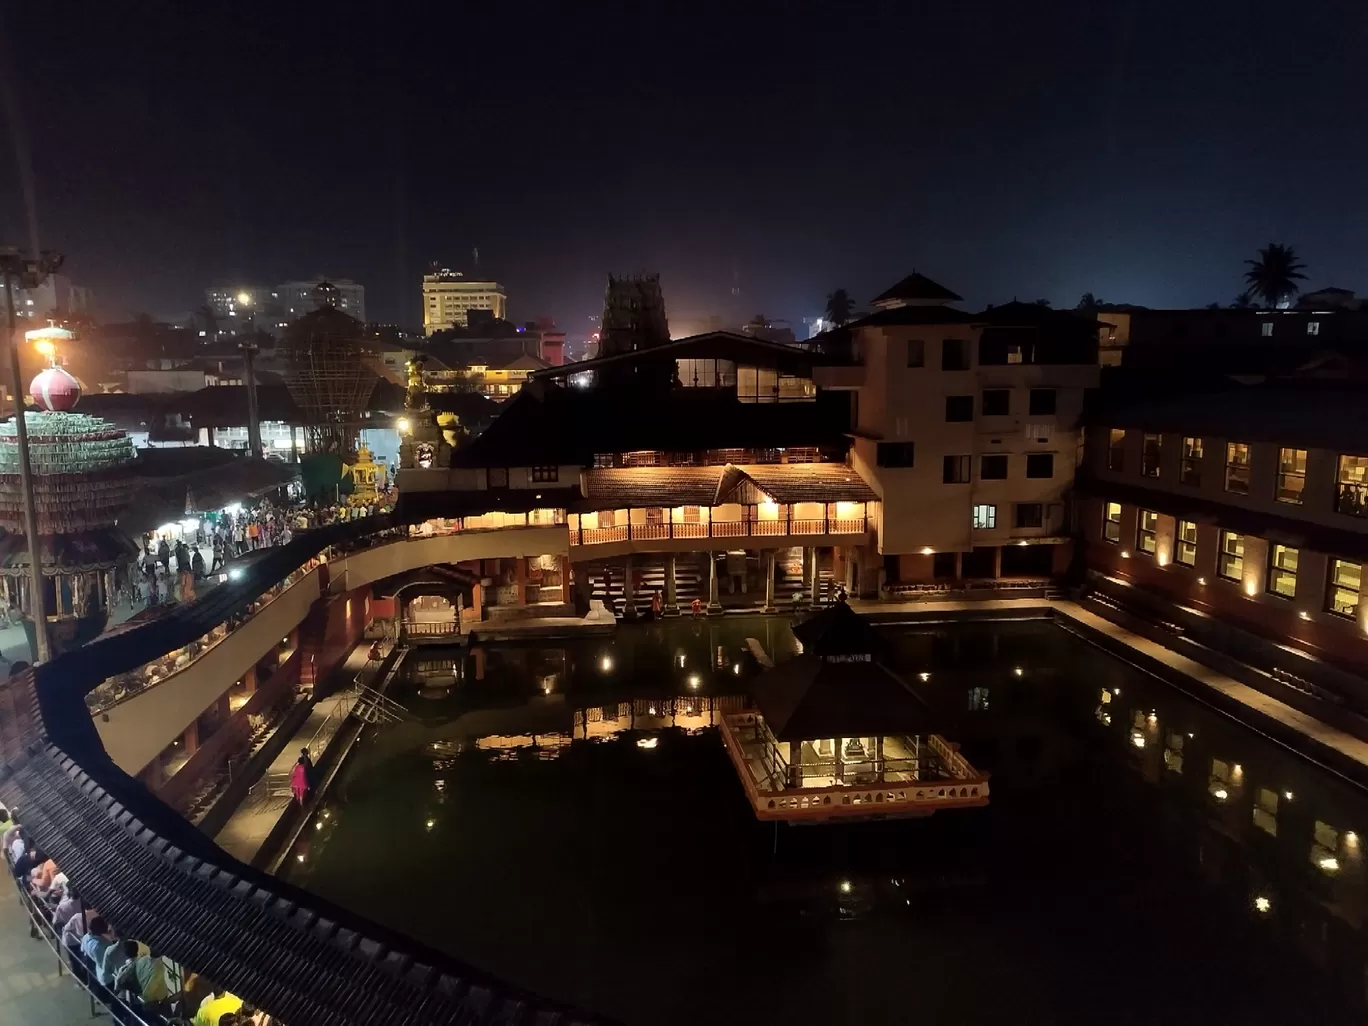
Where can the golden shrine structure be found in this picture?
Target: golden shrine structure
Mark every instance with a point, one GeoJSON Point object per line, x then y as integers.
{"type": "Point", "coordinates": [836, 735]}
{"type": "Point", "coordinates": [366, 475]}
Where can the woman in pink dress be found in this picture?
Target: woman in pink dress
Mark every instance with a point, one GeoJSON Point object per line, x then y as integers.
{"type": "Point", "coordinates": [299, 781]}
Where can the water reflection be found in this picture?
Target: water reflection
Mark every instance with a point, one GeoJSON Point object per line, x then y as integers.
{"type": "Point", "coordinates": [577, 827]}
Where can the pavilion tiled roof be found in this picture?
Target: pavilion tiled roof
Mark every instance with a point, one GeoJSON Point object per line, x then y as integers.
{"type": "Point", "coordinates": [306, 962]}
{"type": "Point", "coordinates": [710, 486]}
{"type": "Point", "coordinates": [917, 288]}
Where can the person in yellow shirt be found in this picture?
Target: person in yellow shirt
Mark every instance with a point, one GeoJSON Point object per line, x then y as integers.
{"type": "Point", "coordinates": [217, 1004]}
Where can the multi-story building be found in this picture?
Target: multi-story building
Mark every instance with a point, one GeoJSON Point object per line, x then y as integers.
{"type": "Point", "coordinates": [1245, 501]}
{"type": "Point", "coordinates": [449, 296]}
{"type": "Point", "coordinates": [296, 298]}
{"type": "Point", "coordinates": [55, 297]}
{"type": "Point", "coordinates": [966, 427]}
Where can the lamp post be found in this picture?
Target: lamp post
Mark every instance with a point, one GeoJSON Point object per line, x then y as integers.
{"type": "Point", "coordinates": [249, 349]}
{"type": "Point", "coordinates": [30, 273]}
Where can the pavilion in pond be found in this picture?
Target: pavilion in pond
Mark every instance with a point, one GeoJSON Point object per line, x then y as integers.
{"type": "Point", "coordinates": [835, 734]}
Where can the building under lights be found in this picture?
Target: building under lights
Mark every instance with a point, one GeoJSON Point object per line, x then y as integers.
{"type": "Point", "coordinates": [932, 454]}
{"type": "Point", "coordinates": [1239, 489]}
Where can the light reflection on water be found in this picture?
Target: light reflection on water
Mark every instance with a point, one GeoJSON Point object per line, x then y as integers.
{"type": "Point", "coordinates": [565, 816]}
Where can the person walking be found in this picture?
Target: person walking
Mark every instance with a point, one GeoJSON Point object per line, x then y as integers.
{"type": "Point", "coordinates": [299, 779]}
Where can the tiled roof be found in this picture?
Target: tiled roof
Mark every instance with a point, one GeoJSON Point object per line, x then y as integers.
{"type": "Point", "coordinates": [710, 486]}
{"type": "Point", "coordinates": [906, 315]}
{"type": "Point", "coordinates": [304, 961]}
{"type": "Point", "coordinates": [810, 482]}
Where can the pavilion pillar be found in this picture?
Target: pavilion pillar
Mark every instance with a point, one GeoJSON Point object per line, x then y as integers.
{"type": "Point", "coordinates": [795, 760]}
{"type": "Point", "coordinates": [852, 555]}
{"type": "Point", "coordinates": [714, 603]}
{"type": "Point", "coordinates": [671, 599]}
{"type": "Point", "coordinates": [810, 574]}
{"type": "Point", "coordinates": [520, 578]}
{"type": "Point", "coordinates": [840, 767]}
{"type": "Point", "coordinates": [629, 610]}
{"type": "Point", "coordinates": [249, 681]}
{"type": "Point", "coordinates": [767, 562]}
{"type": "Point", "coordinates": [997, 561]}
{"type": "Point", "coordinates": [879, 758]}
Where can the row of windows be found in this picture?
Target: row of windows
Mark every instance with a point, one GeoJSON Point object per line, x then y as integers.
{"type": "Point", "coordinates": [1024, 514]}
{"type": "Point", "coordinates": [1351, 472]}
{"type": "Point", "coordinates": [997, 402]}
{"type": "Point", "coordinates": [1266, 328]}
{"type": "Point", "coordinates": [958, 469]}
{"type": "Point", "coordinates": [956, 353]}
{"type": "Point", "coordinates": [1345, 576]}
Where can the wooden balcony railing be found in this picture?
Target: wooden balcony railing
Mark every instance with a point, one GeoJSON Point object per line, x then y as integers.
{"type": "Point", "coordinates": [747, 528]}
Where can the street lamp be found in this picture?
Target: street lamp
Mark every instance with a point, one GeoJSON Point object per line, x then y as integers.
{"type": "Point", "coordinates": [30, 272]}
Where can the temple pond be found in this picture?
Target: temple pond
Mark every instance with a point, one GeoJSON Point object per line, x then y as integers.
{"type": "Point", "coordinates": [565, 816]}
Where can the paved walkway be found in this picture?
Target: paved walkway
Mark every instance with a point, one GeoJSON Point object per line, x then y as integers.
{"type": "Point", "coordinates": [1308, 726]}
{"type": "Point", "coordinates": [247, 829]}
{"type": "Point", "coordinates": [31, 992]}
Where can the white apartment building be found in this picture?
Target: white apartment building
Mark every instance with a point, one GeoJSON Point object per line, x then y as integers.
{"type": "Point", "coordinates": [966, 425]}
{"type": "Point", "coordinates": [449, 296]}
{"type": "Point", "coordinates": [296, 298]}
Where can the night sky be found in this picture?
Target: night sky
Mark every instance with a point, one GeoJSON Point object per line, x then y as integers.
{"type": "Point", "coordinates": [1137, 150]}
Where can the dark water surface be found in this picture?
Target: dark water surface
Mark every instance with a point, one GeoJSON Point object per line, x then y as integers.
{"type": "Point", "coordinates": [1140, 862]}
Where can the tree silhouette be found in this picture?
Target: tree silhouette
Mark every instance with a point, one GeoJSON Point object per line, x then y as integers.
{"type": "Point", "coordinates": [1242, 302]}
{"type": "Point", "coordinates": [1274, 275]}
{"type": "Point", "coordinates": [1088, 302]}
{"type": "Point", "coordinates": [839, 307]}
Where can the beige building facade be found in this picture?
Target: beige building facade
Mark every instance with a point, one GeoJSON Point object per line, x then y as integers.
{"type": "Point", "coordinates": [449, 296]}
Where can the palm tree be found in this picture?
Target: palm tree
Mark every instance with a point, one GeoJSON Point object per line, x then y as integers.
{"type": "Point", "coordinates": [1274, 276]}
{"type": "Point", "coordinates": [839, 307]}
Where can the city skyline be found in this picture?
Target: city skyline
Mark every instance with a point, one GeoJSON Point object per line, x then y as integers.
{"type": "Point", "coordinates": [1007, 153]}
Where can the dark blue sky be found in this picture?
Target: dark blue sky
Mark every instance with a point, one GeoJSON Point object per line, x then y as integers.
{"type": "Point", "coordinates": [1138, 150]}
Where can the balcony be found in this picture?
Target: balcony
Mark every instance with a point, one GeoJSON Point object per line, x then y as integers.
{"type": "Point", "coordinates": [839, 377]}
{"type": "Point", "coordinates": [742, 523]}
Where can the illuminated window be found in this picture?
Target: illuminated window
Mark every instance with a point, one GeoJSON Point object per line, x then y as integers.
{"type": "Point", "coordinates": [1185, 551]}
{"type": "Point", "coordinates": [1266, 329]}
{"type": "Point", "coordinates": [1352, 486]}
{"type": "Point", "coordinates": [1190, 469]}
{"type": "Point", "coordinates": [985, 517]}
{"type": "Point", "coordinates": [1313, 327]}
{"type": "Point", "coordinates": [1266, 810]}
{"type": "Point", "coordinates": [546, 474]}
{"type": "Point", "coordinates": [1149, 455]}
{"type": "Point", "coordinates": [1230, 564]}
{"type": "Point", "coordinates": [1116, 449]}
{"type": "Point", "coordinates": [1111, 523]}
{"type": "Point", "coordinates": [1291, 475]}
{"type": "Point", "coordinates": [1346, 579]}
{"type": "Point", "coordinates": [1237, 468]}
{"type": "Point", "coordinates": [1146, 531]}
{"type": "Point", "coordinates": [1282, 571]}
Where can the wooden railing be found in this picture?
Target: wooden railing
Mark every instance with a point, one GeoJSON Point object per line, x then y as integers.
{"type": "Point", "coordinates": [430, 628]}
{"type": "Point", "coordinates": [745, 528]}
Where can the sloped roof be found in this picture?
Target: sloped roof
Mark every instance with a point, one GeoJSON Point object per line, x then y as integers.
{"type": "Point", "coordinates": [812, 696]}
{"type": "Point", "coordinates": [838, 630]}
{"type": "Point", "coordinates": [710, 345]}
{"type": "Point", "coordinates": [548, 424]}
{"type": "Point", "coordinates": [301, 959]}
{"type": "Point", "coordinates": [917, 288]}
{"type": "Point", "coordinates": [910, 315]}
{"type": "Point", "coordinates": [712, 486]}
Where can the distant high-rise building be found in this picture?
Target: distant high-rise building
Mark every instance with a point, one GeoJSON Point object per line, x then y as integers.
{"type": "Point", "coordinates": [296, 298]}
{"type": "Point", "coordinates": [233, 301]}
{"type": "Point", "coordinates": [56, 297]}
{"type": "Point", "coordinates": [449, 296]}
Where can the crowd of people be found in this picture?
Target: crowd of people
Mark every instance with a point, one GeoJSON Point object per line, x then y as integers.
{"type": "Point", "coordinates": [125, 975]}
